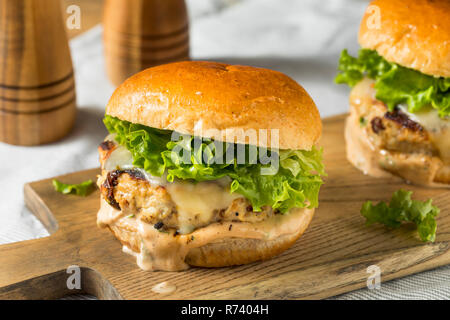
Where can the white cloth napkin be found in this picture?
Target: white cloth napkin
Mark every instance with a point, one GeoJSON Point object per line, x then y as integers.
{"type": "Point", "coordinates": [300, 38]}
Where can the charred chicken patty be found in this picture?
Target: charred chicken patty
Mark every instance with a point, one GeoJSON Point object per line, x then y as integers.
{"type": "Point", "coordinates": [392, 140]}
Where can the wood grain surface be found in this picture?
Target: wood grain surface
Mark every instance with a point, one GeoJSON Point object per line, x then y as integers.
{"type": "Point", "coordinates": [329, 259]}
{"type": "Point", "coordinates": [140, 34]}
{"type": "Point", "coordinates": [37, 91]}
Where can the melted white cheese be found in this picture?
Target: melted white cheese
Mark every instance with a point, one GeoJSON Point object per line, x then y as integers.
{"type": "Point", "coordinates": [120, 158]}
{"type": "Point", "coordinates": [196, 202]}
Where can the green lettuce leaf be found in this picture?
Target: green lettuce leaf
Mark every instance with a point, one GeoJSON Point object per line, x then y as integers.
{"type": "Point", "coordinates": [401, 208]}
{"type": "Point", "coordinates": [295, 184]}
{"type": "Point", "coordinates": [395, 84]}
{"type": "Point", "coordinates": [82, 189]}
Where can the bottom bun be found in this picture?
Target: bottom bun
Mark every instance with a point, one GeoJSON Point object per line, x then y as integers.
{"type": "Point", "coordinates": [236, 251]}
{"type": "Point", "coordinates": [249, 242]}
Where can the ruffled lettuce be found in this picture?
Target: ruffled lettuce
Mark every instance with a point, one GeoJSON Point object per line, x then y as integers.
{"type": "Point", "coordinates": [395, 84]}
{"type": "Point", "coordinates": [81, 189]}
{"type": "Point", "coordinates": [295, 184]}
{"type": "Point", "coordinates": [402, 208]}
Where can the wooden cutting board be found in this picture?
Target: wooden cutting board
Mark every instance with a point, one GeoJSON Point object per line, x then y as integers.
{"type": "Point", "coordinates": [329, 259]}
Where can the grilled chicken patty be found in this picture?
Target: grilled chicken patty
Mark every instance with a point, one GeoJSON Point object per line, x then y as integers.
{"type": "Point", "coordinates": [403, 146]}
{"type": "Point", "coordinates": [129, 190]}
{"type": "Point", "coordinates": [394, 131]}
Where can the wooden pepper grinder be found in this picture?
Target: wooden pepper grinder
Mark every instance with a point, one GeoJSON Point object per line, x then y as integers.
{"type": "Point", "coordinates": [37, 92]}
{"type": "Point", "coordinates": [142, 33]}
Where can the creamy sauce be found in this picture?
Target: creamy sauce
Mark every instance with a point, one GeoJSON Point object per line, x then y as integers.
{"type": "Point", "coordinates": [164, 288]}
{"type": "Point", "coordinates": [164, 251]}
{"type": "Point", "coordinates": [127, 250]}
{"type": "Point", "coordinates": [106, 217]}
{"type": "Point", "coordinates": [361, 150]}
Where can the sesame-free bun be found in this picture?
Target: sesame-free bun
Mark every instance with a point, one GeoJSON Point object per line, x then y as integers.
{"type": "Point", "coordinates": [412, 33]}
{"type": "Point", "coordinates": [222, 101]}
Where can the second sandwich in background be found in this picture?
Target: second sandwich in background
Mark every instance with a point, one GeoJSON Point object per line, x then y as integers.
{"type": "Point", "coordinates": [400, 103]}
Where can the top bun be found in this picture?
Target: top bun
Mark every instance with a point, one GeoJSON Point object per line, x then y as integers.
{"type": "Point", "coordinates": [223, 99]}
{"type": "Point", "coordinates": [412, 33]}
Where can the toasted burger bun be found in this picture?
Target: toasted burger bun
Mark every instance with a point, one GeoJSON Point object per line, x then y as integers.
{"type": "Point", "coordinates": [215, 248]}
{"type": "Point", "coordinates": [222, 99]}
{"type": "Point", "coordinates": [414, 34]}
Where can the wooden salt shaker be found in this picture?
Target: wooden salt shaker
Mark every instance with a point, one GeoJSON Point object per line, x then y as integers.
{"type": "Point", "coordinates": [37, 91]}
{"type": "Point", "coordinates": [143, 33]}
